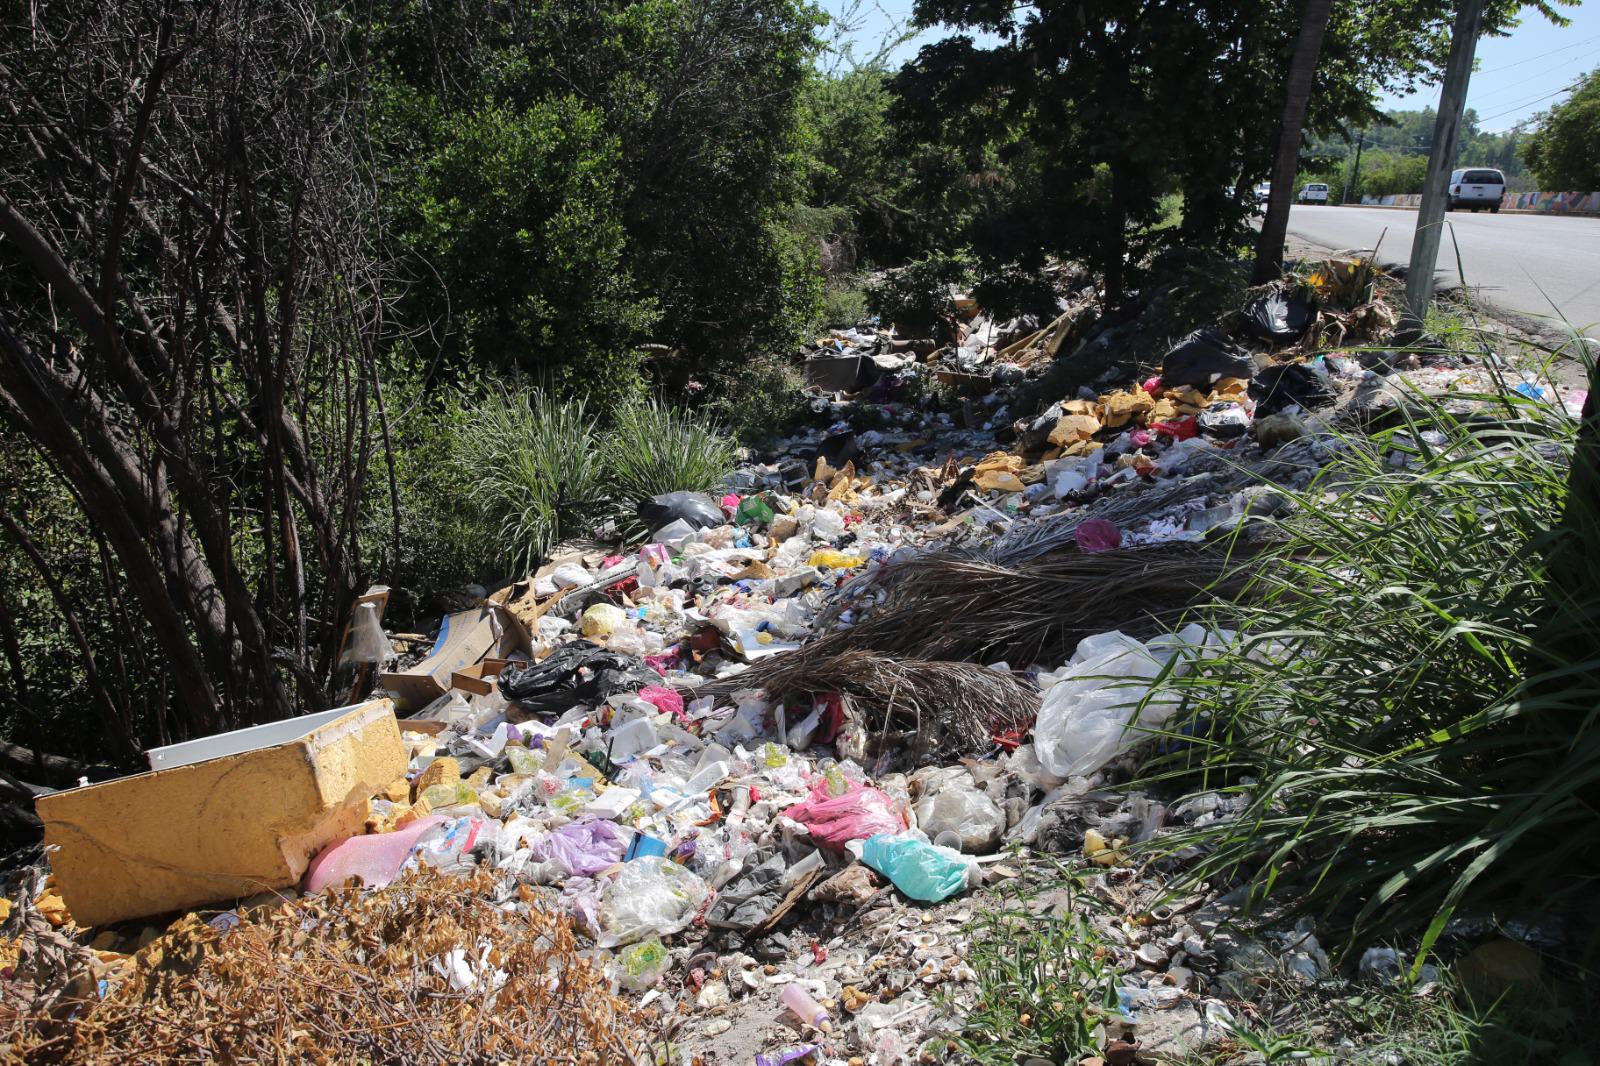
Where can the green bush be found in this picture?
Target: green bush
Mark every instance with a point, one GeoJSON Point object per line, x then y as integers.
{"type": "Point", "coordinates": [531, 466]}
{"type": "Point", "coordinates": [444, 540]}
{"type": "Point", "coordinates": [651, 448]}
{"type": "Point", "coordinates": [843, 305]}
{"type": "Point", "coordinates": [915, 298]}
{"type": "Point", "coordinates": [516, 211]}
{"type": "Point", "coordinates": [1415, 696]}
{"type": "Point", "coordinates": [756, 401]}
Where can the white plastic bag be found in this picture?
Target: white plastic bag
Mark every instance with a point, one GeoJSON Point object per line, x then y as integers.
{"type": "Point", "coordinates": [651, 896]}
{"type": "Point", "coordinates": [1083, 723]}
{"type": "Point", "coordinates": [966, 812]}
{"type": "Point", "coordinates": [367, 643]}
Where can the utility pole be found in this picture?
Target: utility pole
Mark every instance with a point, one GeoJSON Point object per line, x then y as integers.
{"type": "Point", "coordinates": [1435, 190]}
{"type": "Point", "coordinates": [1355, 168]}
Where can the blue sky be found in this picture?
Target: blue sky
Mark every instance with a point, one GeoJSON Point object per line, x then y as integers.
{"type": "Point", "coordinates": [1517, 76]}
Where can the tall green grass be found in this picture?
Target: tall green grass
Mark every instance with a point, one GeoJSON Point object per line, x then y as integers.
{"type": "Point", "coordinates": [1412, 706]}
{"type": "Point", "coordinates": [538, 470]}
{"type": "Point", "coordinates": [651, 448]}
{"type": "Point", "coordinates": [531, 466]}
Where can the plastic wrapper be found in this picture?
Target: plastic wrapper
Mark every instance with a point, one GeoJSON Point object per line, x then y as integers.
{"type": "Point", "coordinates": [969, 814]}
{"type": "Point", "coordinates": [449, 844]}
{"type": "Point", "coordinates": [584, 848]}
{"type": "Point", "coordinates": [855, 814]}
{"type": "Point", "coordinates": [602, 619]}
{"type": "Point", "coordinates": [1097, 535]}
{"type": "Point", "coordinates": [367, 643]}
{"type": "Point", "coordinates": [652, 896]}
{"type": "Point", "coordinates": [667, 700]}
{"type": "Point", "coordinates": [920, 870]}
{"type": "Point", "coordinates": [375, 859]}
{"type": "Point", "coordinates": [834, 560]}
{"type": "Point", "coordinates": [642, 964]}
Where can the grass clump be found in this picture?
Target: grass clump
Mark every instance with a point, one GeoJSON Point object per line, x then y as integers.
{"type": "Point", "coordinates": [531, 465]}
{"type": "Point", "coordinates": [651, 448]}
{"type": "Point", "coordinates": [1044, 978]}
{"type": "Point", "coordinates": [1412, 706]}
{"type": "Point", "coordinates": [537, 470]}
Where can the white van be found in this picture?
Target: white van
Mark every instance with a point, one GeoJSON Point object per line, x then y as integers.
{"type": "Point", "coordinates": [1315, 192]}
{"type": "Point", "coordinates": [1477, 187]}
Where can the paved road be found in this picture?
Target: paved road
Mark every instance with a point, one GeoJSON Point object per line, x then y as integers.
{"type": "Point", "coordinates": [1507, 258]}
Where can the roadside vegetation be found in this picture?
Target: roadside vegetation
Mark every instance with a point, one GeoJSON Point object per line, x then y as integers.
{"type": "Point", "coordinates": [264, 269]}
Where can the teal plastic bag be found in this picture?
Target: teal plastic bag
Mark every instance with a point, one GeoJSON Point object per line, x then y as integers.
{"type": "Point", "coordinates": [919, 870]}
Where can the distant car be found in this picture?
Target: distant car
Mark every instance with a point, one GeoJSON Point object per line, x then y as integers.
{"type": "Point", "coordinates": [1477, 189]}
{"type": "Point", "coordinates": [1315, 192]}
{"type": "Point", "coordinates": [1263, 192]}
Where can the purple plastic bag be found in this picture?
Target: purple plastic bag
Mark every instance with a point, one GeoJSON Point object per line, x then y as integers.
{"type": "Point", "coordinates": [584, 848]}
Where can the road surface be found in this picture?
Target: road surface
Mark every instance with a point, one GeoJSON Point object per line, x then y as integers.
{"type": "Point", "coordinates": [1508, 259]}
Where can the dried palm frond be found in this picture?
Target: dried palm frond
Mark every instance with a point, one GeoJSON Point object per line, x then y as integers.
{"type": "Point", "coordinates": [946, 607]}
{"type": "Point", "coordinates": [941, 707]}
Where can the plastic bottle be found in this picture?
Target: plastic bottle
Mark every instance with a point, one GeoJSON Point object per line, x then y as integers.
{"type": "Point", "coordinates": [808, 1010]}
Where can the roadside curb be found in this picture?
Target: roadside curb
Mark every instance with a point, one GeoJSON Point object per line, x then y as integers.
{"type": "Point", "coordinates": [1503, 210]}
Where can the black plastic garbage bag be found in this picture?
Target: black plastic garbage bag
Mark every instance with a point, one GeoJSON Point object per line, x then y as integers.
{"type": "Point", "coordinates": [752, 896]}
{"type": "Point", "coordinates": [839, 449]}
{"type": "Point", "coordinates": [1204, 357]}
{"type": "Point", "coordinates": [1278, 317]}
{"type": "Point", "coordinates": [1278, 387]}
{"type": "Point", "coordinates": [580, 672]}
{"type": "Point", "coordinates": [695, 508]}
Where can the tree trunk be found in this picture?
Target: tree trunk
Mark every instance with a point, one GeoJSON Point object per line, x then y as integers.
{"type": "Point", "coordinates": [1286, 164]}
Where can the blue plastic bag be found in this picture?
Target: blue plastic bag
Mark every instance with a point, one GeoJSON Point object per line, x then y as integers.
{"type": "Point", "coordinates": [918, 869]}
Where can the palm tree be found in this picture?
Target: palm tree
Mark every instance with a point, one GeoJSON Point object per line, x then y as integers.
{"type": "Point", "coordinates": [1302, 65]}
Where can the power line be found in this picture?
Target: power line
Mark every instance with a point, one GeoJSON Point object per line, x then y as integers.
{"type": "Point", "coordinates": [1525, 103]}
{"type": "Point", "coordinates": [1502, 91]}
{"type": "Point", "coordinates": [1541, 55]}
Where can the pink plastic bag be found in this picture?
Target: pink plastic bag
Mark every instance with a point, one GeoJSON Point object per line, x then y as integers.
{"type": "Point", "coordinates": [665, 699]}
{"type": "Point", "coordinates": [834, 821]}
{"type": "Point", "coordinates": [376, 859]}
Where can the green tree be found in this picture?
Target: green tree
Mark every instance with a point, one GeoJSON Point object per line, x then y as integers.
{"type": "Point", "coordinates": [1097, 110]}
{"type": "Point", "coordinates": [1564, 151]}
{"type": "Point", "coordinates": [700, 99]}
{"type": "Point", "coordinates": [519, 213]}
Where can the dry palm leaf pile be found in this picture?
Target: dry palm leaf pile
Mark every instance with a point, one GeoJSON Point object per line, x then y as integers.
{"type": "Point", "coordinates": [939, 708]}
{"type": "Point", "coordinates": [951, 607]}
{"type": "Point", "coordinates": [914, 666]}
{"type": "Point", "coordinates": [429, 971]}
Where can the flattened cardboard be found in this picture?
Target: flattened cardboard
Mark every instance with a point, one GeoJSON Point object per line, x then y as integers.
{"type": "Point", "coordinates": [465, 638]}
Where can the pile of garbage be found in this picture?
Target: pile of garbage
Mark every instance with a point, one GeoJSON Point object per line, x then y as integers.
{"type": "Point", "coordinates": [762, 760]}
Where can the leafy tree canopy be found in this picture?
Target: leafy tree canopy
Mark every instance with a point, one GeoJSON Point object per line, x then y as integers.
{"type": "Point", "coordinates": [1564, 152]}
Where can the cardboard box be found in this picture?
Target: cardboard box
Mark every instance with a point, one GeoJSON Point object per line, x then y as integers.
{"type": "Point", "coordinates": [465, 638]}
{"type": "Point", "coordinates": [479, 679]}
{"type": "Point", "coordinates": [222, 817]}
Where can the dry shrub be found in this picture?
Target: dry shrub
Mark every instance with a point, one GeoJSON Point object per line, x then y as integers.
{"type": "Point", "coordinates": [351, 977]}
